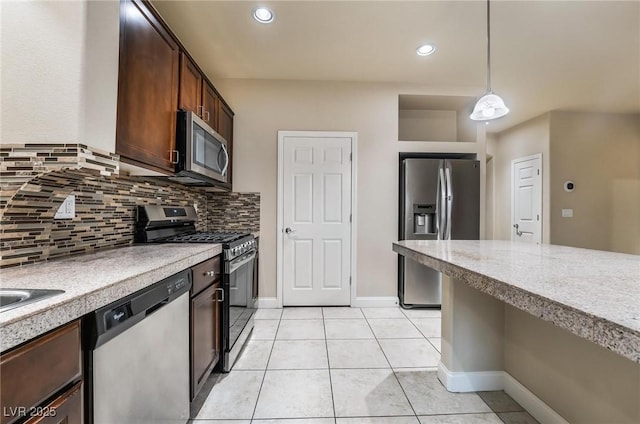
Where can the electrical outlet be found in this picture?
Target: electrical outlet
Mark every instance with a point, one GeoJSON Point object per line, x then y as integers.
{"type": "Point", "coordinates": [67, 209]}
{"type": "Point", "coordinates": [567, 213]}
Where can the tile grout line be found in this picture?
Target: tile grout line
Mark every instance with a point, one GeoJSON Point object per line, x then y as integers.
{"type": "Point", "coordinates": [392, 370]}
{"type": "Point", "coordinates": [264, 376]}
{"type": "Point", "coordinates": [326, 346]}
{"type": "Point", "coordinates": [423, 335]}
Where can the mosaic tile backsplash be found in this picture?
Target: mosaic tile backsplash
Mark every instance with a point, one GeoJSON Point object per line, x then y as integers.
{"type": "Point", "coordinates": [105, 209]}
{"type": "Point", "coordinates": [233, 211]}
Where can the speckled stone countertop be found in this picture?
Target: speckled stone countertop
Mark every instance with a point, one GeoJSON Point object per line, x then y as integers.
{"type": "Point", "coordinates": [90, 282]}
{"type": "Point", "coordinates": [591, 293]}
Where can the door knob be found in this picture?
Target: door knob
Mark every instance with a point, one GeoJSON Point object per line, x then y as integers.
{"type": "Point", "coordinates": [518, 232]}
{"type": "Point", "coordinates": [289, 230]}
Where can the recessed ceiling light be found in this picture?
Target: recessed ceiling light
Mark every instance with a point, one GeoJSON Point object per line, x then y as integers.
{"type": "Point", "coordinates": [426, 50]}
{"type": "Point", "coordinates": [263, 15]}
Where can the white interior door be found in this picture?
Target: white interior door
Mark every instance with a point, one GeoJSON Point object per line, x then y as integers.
{"type": "Point", "coordinates": [526, 210]}
{"type": "Point", "coordinates": [316, 215]}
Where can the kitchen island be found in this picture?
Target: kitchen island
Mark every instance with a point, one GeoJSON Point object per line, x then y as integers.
{"type": "Point", "coordinates": [553, 325]}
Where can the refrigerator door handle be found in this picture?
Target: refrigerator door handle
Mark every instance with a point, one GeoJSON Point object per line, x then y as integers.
{"type": "Point", "coordinates": [441, 205]}
{"type": "Point", "coordinates": [449, 197]}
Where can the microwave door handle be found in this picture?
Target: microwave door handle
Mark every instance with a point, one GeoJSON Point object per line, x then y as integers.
{"type": "Point", "coordinates": [226, 160]}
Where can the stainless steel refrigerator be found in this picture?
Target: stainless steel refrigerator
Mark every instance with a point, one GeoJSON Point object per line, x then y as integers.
{"type": "Point", "coordinates": [439, 200]}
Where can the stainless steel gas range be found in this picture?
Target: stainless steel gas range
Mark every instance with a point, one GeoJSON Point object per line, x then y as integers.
{"type": "Point", "coordinates": [176, 224]}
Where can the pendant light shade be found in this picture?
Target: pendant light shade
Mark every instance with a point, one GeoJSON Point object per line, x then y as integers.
{"type": "Point", "coordinates": [490, 106]}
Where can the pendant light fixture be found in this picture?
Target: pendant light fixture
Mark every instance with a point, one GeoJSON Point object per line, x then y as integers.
{"type": "Point", "coordinates": [490, 106]}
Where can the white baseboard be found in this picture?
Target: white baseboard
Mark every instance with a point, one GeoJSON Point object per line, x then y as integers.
{"type": "Point", "coordinates": [375, 302]}
{"type": "Point", "coordinates": [499, 380]}
{"type": "Point", "coordinates": [532, 403]}
{"type": "Point", "coordinates": [478, 381]}
{"type": "Point", "coordinates": [267, 302]}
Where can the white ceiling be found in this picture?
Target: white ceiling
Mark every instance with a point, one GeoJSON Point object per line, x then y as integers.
{"type": "Point", "coordinates": [546, 55]}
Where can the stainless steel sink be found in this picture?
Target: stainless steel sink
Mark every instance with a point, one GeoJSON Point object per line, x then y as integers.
{"type": "Point", "coordinates": [13, 298]}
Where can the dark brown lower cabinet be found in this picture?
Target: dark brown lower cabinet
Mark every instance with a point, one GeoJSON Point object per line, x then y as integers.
{"type": "Point", "coordinates": [48, 367]}
{"type": "Point", "coordinates": [205, 322]}
{"type": "Point", "coordinates": [65, 409]}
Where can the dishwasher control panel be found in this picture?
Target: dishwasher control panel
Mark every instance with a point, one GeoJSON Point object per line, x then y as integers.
{"type": "Point", "coordinates": [111, 320]}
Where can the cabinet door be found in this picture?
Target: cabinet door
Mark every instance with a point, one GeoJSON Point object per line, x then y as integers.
{"type": "Point", "coordinates": [65, 409]}
{"type": "Point", "coordinates": [225, 129]}
{"type": "Point", "coordinates": [147, 89]}
{"type": "Point", "coordinates": [210, 101]}
{"type": "Point", "coordinates": [190, 86]}
{"type": "Point", "coordinates": [37, 370]}
{"type": "Point", "coordinates": [203, 310]}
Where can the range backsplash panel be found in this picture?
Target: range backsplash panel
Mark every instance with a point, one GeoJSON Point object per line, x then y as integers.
{"type": "Point", "coordinates": [105, 213]}
{"type": "Point", "coordinates": [20, 163]}
{"type": "Point", "coordinates": [36, 178]}
{"type": "Point", "coordinates": [233, 212]}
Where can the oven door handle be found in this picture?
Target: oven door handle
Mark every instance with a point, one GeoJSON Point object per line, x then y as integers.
{"type": "Point", "coordinates": [237, 263]}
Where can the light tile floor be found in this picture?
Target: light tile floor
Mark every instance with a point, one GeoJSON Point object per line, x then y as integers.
{"type": "Point", "coordinates": [347, 366]}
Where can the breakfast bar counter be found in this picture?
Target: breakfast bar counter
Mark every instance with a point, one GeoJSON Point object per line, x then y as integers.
{"type": "Point", "coordinates": [556, 327]}
{"type": "Point", "coordinates": [591, 293]}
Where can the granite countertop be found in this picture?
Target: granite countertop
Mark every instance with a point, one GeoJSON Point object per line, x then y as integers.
{"type": "Point", "coordinates": [90, 281]}
{"type": "Point", "coordinates": [591, 293]}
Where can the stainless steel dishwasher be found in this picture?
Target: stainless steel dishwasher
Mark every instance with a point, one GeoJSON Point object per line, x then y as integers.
{"type": "Point", "coordinates": [137, 356]}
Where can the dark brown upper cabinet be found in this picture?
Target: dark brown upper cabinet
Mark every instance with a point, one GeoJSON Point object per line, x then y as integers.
{"type": "Point", "coordinates": [147, 89]}
{"type": "Point", "coordinates": [225, 129]}
{"type": "Point", "coordinates": [190, 97]}
{"type": "Point", "coordinates": [156, 78]}
{"type": "Point", "coordinates": [211, 103]}
{"type": "Point", "coordinates": [196, 94]}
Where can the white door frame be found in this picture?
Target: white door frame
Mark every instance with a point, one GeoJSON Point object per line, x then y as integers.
{"type": "Point", "coordinates": [280, 225]}
{"type": "Point", "coordinates": [513, 199]}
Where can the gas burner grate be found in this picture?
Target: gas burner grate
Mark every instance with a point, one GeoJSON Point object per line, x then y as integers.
{"type": "Point", "coordinates": [207, 238]}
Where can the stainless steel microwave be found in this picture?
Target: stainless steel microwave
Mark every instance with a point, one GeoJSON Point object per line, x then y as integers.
{"type": "Point", "coordinates": [202, 155]}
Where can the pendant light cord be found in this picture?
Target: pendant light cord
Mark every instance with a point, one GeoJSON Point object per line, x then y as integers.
{"type": "Point", "coordinates": [488, 48]}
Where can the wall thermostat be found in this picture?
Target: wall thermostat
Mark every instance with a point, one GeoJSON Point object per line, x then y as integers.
{"type": "Point", "coordinates": [569, 186]}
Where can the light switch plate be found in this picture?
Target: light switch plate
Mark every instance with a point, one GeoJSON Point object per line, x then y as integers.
{"type": "Point", "coordinates": [567, 213]}
{"type": "Point", "coordinates": [67, 209]}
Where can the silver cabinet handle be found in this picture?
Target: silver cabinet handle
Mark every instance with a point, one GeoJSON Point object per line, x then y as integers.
{"type": "Point", "coordinates": [210, 273]}
{"type": "Point", "coordinates": [200, 111]}
{"type": "Point", "coordinates": [222, 296]}
{"type": "Point", "coordinates": [289, 230]}
{"type": "Point", "coordinates": [207, 114]}
{"type": "Point", "coordinates": [177, 155]}
{"type": "Point", "coordinates": [518, 232]}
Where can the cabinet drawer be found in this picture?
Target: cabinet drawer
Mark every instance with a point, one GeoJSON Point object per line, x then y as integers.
{"type": "Point", "coordinates": [65, 409]}
{"type": "Point", "coordinates": [202, 274]}
{"type": "Point", "coordinates": [37, 370]}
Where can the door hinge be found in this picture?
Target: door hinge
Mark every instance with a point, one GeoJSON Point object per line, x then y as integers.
{"type": "Point", "coordinates": [351, 157]}
{"type": "Point", "coordinates": [350, 218]}
{"type": "Point", "coordinates": [537, 217]}
{"type": "Point", "coordinates": [538, 172]}
{"type": "Point", "coordinates": [349, 281]}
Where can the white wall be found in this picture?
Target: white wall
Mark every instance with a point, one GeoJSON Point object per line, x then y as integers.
{"type": "Point", "coordinates": [525, 139]}
{"type": "Point", "coordinates": [59, 72]}
{"type": "Point", "coordinates": [600, 153]}
{"type": "Point", "coordinates": [263, 107]}
{"type": "Point", "coordinates": [100, 75]}
{"type": "Point", "coordinates": [42, 54]}
{"type": "Point", "coordinates": [427, 125]}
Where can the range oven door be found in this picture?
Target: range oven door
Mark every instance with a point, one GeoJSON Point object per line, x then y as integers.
{"type": "Point", "coordinates": [239, 305]}
{"type": "Point", "coordinates": [202, 152]}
